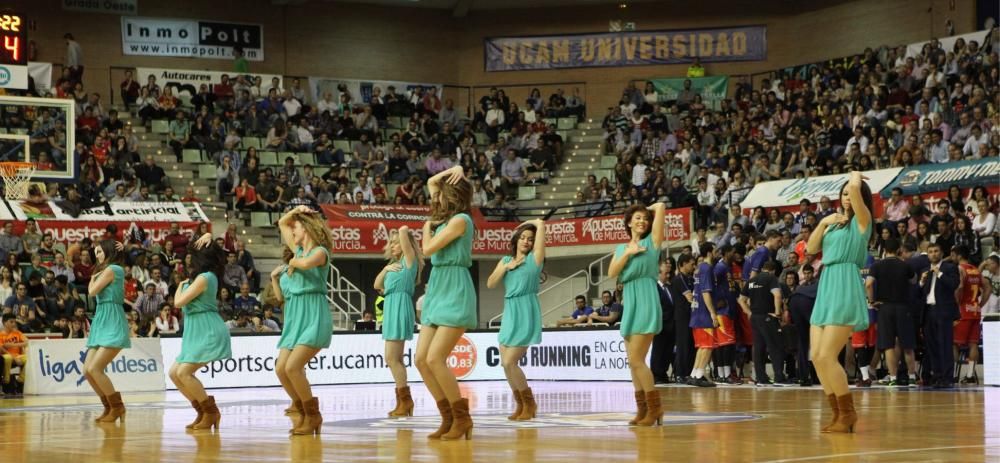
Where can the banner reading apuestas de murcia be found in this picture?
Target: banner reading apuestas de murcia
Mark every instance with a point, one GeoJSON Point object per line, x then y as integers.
{"type": "Point", "coordinates": [366, 229]}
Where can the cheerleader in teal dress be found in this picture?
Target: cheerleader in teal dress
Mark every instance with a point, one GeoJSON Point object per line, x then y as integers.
{"type": "Point", "coordinates": [841, 307]}
{"type": "Point", "coordinates": [308, 322]}
{"type": "Point", "coordinates": [397, 282]}
{"type": "Point", "coordinates": [206, 336]}
{"type": "Point", "coordinates": [636, 264]}
{"type": "Point", "coordinates": [449, 306]}
{"type": "Point", "coordinates": [109, 332]}
{"type": "Point", "coordinates": [521, 325]}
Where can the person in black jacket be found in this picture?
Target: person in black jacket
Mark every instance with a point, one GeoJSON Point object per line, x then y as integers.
{"type": "Point", "coordinates": [800, 306]}
{"type": "Point", "coordinates": [682, 290]}
{"type": "Point", "coordinates": [938, 285]}
{"type": "Point", "coordinates": [663, 344]}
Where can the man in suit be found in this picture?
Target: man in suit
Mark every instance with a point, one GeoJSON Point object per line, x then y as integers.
{"type": "Point", "coordinates": [663, 344]}
{"type": "Point", "coordinates": [938, 284]}
{"type": "Point", "coordinates": [919, 263]}
{"type": "Point", "coordinates": [682, 288]}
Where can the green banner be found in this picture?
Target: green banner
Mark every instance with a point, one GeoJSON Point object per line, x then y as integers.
{"type": "Point", "coordinates": [712, 89]}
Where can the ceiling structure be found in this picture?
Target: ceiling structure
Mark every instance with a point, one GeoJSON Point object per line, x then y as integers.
{"type": "Point", "coordinates": [461, 7]}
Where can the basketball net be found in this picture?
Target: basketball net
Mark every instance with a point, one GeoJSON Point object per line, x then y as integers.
{"type": "Point", "coordinates": [16, 178]}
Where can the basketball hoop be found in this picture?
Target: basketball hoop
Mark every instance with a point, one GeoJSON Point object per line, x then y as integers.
{"type": "Point", "coordinates": [16, 176]}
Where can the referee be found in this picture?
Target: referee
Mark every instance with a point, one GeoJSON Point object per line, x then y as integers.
{"type": "Point", "coordinates": [761, 299]}
{"type": "Point", "coordinates": [888, 286]}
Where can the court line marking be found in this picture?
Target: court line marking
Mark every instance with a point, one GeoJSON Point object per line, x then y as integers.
{"type": "Point", "coordinates": [881, 452]}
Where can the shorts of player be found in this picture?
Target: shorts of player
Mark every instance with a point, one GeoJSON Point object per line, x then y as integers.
{"type": "Point", "coordinates": [725, 334]}
{"type": "Point", "coordinates": [744, 334]}
{"type": "Point", "coordinates": [895, 321]}
{"type": "Point", "coordinates": [704, 338]}
{"type": "Point", "coordinates": [967, 332]}
{"type": "Point", "coordinates": [865, 338]}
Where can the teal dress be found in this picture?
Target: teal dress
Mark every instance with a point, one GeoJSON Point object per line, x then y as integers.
{"type": "Point", "coordinates": [840, 298]}
{"type": "Point", "coordinates": [641, 312]}
{"type": "Point", "coordinates": [521, 324]}
{"type": "Point", "coordinates": [398, 314]}
{"type": "Point", "coordinates": [206, 336]}
{"type": "Point", "coordinates": [450, 299]}
{"type": "Point", "coordinates": [308, 321]}
{"type": "Point", "coordinates": [109, 328]}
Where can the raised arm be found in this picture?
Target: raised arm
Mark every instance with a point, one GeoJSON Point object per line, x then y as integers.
{"type": "Point", "coordinates": [659, 217]}
{"type": "Point", "coordinates": [285, 223]}
{"type": "Point", "coordinates": [409, 253]}
{"type": "Point", "coordinates": [183, 297]}
{"type": "Point", "coordinates": [861, 211]}
{"type": "Point", "coordinates": [452, 176]}
{"type": "Point", "coordinates": [539, 248]}
{"type": "Point", "coordinates": [451, 232]}
{"type": "Point", "coordinates": [307, 262]}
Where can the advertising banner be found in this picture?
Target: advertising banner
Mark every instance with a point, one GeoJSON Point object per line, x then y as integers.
{"type": "Point", "coordinates": [153, 218]}
{"type": "Point", "coordinates": [129, 7]}
{"type": "Point", "coordinates": [584, 355]}
{"type": "Point", "coordinates": [41, 73]}
{"type": "Point", "coordinates": [779, 193]}
{"type": "Point", "coordinates": [55, 366]}
{"type": "Point", "coordinates": [948, 43]}
{"type": "Point", "coordinates": [365, 229]}
{"type": "Point", "coordinates": [362, 89]}
{"type": "Point", "coordinates": [928, 178]}
{"type": "Point", "coordinates": [190, 38]}
{"type": "Point", "coordinates": [639, 48]}
{"type": "Point", "coordinates": [187, 81]}
{"type": "Point", "coordinates": [712, 89]}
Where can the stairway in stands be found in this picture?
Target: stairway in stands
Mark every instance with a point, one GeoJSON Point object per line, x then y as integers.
{"type": "Point", "coordinates": [583, 147]}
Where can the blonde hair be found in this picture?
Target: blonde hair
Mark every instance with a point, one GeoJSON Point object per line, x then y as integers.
{"type": "Point", "coordinates": [316, 228]}
{"type": "Point", "coordinates": [452, 199]}
{"type": "Point", "coordinates": [419, 256]}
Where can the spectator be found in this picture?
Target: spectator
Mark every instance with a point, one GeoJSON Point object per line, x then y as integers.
{"type": "Point", "coordinates": [129, 90]}
{"type": "Point", "coordinates": [581, 314]}
{"type": "Point", "coordinates": [233, 276]}
{"type": "Point", "coordinates": [609, 312]}
{"type": "Point", "coordinates": [13, 344]}
{"type": "Point", "coordinates": [166, 323]}
{"type": "Point", "coordinates": [179, 135]}
{"type": "Point", "coordinates": [148, 303]}
{"type": "Point", "coordinates": [513, 173]}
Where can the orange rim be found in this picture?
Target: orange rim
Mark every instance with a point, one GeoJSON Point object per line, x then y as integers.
{"type": "Point", "coordinates": [12, 167]}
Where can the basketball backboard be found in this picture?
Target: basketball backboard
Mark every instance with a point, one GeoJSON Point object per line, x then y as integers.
{"type": "Point", "coordinates": [40, 131]}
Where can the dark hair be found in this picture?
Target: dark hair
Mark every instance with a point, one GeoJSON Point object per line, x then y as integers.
{"type": "Point", "coordinates": [891, 245]}
{"type": "Point", "coordinates": [612, 296]}
{"type": "Point", "coordinates": [111, 255]}
{"type": "Point", "coordinates": [772, 234]}
{"type": "Point", "coordinates": [726, 249]}
{"type": "Point", "coordinates": [866, 197]}
{"type": "Point", "coordinates": [683, 259]}
{"type": "Point", "coordinates": [628, 218]}
{"type": "Point", "coordinates": [962, 251]}
{"type": "Point", "coordinates": [211, 258]}
{"type": "Point", "coordinates": [9, 316]}
{"type": "Point", "coordinates": [580, 298]}
{"type": "Point", "coordinates": [706, 248]}
{"type": "Point", "coordinates": [516, 236]}
{"type": "Point", "coordinates": [768, 266]}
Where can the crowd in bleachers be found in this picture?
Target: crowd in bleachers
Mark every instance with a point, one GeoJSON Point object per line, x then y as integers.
{"type": "Point", "coordinates": [273, 148]}
{"type": "Point", "coordinates": [882, 110]}
{"type": "Point", "coordinates": [43, 284]}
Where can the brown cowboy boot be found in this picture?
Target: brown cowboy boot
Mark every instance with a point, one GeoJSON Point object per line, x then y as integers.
{"type": "Point", "coordinates": [640, 406]}
{"type": "Point", "coordinates": [654, 410]}
{"type": "Point", "coordinates": [530, 407]}
{"type": "Point", "coordinates": [312, 421]}
{"type": "Point", "coordinates": [832, 399]}
{"type": "Point", "coordinates": [117, 409]}
{"type": "Point", "coordinates": [848, 416]}
{"type": "Point", "coordinates": [404, 403]}
{"type": "Point", "coordinates": [107, 407]}
{"type": "Point", "coordinates": [210, 415]}
{"type": "Point", "coordinates": [445, 409]}
{"type": "Point", "coordinates": [197, 408]}
{"type": "Point", "coordinates": [519, 401]}
{"type": "Point", "coordinates": [462, 424]}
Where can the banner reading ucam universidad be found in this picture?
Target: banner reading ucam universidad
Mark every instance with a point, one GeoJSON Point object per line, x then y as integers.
{"type": "Point", "coordinates": [640, 48]}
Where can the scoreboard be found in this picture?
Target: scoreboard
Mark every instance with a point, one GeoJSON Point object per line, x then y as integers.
{"type": "Point", "coordinates": [13, 51]}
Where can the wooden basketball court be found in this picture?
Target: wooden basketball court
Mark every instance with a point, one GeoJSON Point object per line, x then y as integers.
{"type": "Point", "coordinates": [577, 422]}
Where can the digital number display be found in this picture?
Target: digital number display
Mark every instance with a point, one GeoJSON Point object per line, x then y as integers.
{"type": "Point", "coordinates": [13, 39]}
